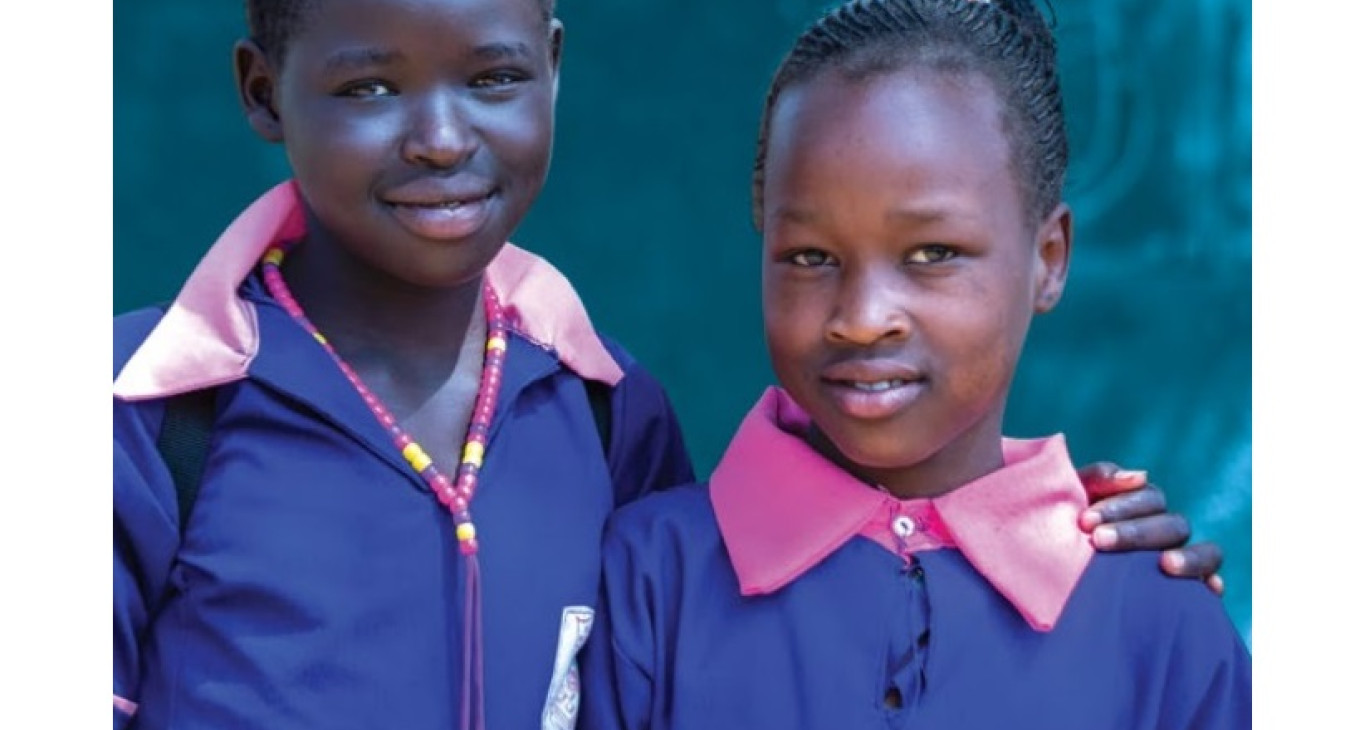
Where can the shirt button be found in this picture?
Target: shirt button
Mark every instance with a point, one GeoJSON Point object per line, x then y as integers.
{"type": "Point", "coordinates": [902, 526]}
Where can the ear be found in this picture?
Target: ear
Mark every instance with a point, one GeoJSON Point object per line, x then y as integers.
{"type": "Point", "coordinates": [555, 47]}
{"type": "Point", "coordinates": [1054, 241]}
{"type": "Point", "coordinates": [256, 82]}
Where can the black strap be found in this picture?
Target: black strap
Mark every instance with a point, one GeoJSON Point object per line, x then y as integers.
{"type": "Point", "coordinates": [597, 394]}
{"type": "Point", "coordinates": [184, 439]}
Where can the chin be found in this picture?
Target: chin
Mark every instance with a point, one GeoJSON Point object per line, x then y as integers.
{"type": "Point", "coordinates": [873, 452]}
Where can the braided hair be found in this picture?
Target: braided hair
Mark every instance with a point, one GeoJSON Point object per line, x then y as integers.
{"type": "Point", "coordinates": [272, 23]}
{"type": "Point", "coordinates": [1006, 41]}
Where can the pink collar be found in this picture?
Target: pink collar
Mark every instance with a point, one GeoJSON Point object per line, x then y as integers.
{"type": "Point", "coordinates": [782, 508]}
{"type": "Point", "coordinates": [209, 335]}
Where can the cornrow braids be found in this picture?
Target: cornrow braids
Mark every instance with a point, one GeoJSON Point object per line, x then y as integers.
{"type": "Point", "coordinates": [272, 23]}
{"type": "Point", "coordinates": [1006, 41]}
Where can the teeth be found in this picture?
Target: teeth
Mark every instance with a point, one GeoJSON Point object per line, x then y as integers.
{"type": "Point", "coordinates": [449, 205]}
{"type": "Point", "coordinates": [877, 386]}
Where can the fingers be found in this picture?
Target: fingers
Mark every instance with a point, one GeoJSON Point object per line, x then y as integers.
{"type": "Point", "coordinates": [1132, 505]}
{"type": "Point", "coordinates": [1157, 532]}
{"type": "Point", "coordinates": [1103, 479]}
{"type": "Point", "coordinates": [1201, 560]}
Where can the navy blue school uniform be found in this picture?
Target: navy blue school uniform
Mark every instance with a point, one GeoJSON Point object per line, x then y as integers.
{"type": "Point", "coordinates": [789, 595]}
{"type": "Point", "coordinates": [318, 583]}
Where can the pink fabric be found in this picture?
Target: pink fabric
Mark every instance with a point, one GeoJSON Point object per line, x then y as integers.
{"type": "Point", "coordinates": [209, 335]}
{"type": "Point", "coordinates": [930, 531]}
{"type": "Point", "coordinates": [124, 706]}
{"type": "Point", "coordinates": [782, 508]}
{"type": "Point", "coordinates": [547, 310]}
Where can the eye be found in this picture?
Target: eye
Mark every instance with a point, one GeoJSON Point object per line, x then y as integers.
{"type": "Point", "coordinates": [810, 258]}
{"type": "Point", "coordinates": [366, 88]}
{"type": "Point", "coordinates": [498, 79]}
{"type": "Point", "coordinates": [934, 253]}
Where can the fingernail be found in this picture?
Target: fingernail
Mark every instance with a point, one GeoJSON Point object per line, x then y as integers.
{"type": "Point", "coordinates": [1216, 584]}
{"type": "Point", "coordinates": [1105, 537]}
{"type": "Point", "coordinates": [1131, 476]}
{"type": "Point", "coordinates": [1091, 519]}
{"type": "Point", "coordinates": [1173, 562]}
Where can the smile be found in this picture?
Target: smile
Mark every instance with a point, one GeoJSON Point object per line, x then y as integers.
{"type": "Point", "coordinates": [874, 387]}
{"type": "Point", "coordinates": [872, 399]}
{"type": "Point", "coordinates": [447, 219]}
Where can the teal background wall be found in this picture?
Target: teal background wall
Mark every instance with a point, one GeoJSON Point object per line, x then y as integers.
{"type": "Point", "coordinates": [1147, 362]}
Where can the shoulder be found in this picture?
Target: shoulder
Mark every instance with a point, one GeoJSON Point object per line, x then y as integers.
{"type": "Point", "coordinates": [674, 519]}
{"type": "Point", "coordinates": [129, 331]}
{"type": "Point", "coordinates": [684, 504]}
{"type": "Point", "coordinates": [646, 450]}
{"type": "Point", "coordinates": [639, 393]}
{"type": "Point", "coordinates": [636, 377]}
{"type": "Point", "coordinates": [1192, 667]}
{"type": "Point", "coordinates": [1153, 603]}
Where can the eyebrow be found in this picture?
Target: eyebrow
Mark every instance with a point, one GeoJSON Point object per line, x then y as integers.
{"type": "Point", "coordinates": [915, 216]}
{"type": "Point", "coordinates": [794, 215]}
{"type": "Point", "coordinates": [921, 215]}
{"type": "Point", "coordinates": [358, 58]}
{"type": "Point", "coordinates": [501, 51]}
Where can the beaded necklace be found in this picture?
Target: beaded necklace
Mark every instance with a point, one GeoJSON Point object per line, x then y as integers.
{"type": "Point", "coordinates": [454, 496]}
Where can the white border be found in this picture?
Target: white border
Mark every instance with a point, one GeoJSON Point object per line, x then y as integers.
{"type": "Point", "coordinates": [56, 206]}
{"type": "Point", "coordinates": [1300, 282]}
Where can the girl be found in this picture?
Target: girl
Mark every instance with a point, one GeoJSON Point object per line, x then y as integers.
{"type": "Point", "coordinates": [416, 435]}
{"type": "Point", "coordinates": [870, 551]}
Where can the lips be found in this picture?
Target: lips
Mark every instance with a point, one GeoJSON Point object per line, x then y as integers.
{"type": "Point", "coordinates": [442, 210]}
{"type": "Point", "coordinates": [872, 389]}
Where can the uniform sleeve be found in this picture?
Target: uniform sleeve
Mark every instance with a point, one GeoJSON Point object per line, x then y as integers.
{"type": "Point", "coordinates": [1189, 654]}
{"type": "Point", "coordinates": [647, 451]}
{"type": "Point", "coordinates": [1209, 678]}
{"type": "Point", "coordinates": [145, 529]}
{"type": "Point", "coordinates": [145, 539]}
{"type": "Point", "coordinates": [617, 666]}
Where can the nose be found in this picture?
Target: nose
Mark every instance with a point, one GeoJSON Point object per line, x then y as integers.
{"type": "Point", "coordinates": [871, 307]}
{"type": "Point", "coordinates": [439, 133]}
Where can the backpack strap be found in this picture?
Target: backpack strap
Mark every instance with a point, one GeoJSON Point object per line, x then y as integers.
{"type": "Point", "coordinates": [183, 443]}
{"type": "Point", "coordinates": [598, 395]}
{"type": "Point", "coordinates": [184, 440]}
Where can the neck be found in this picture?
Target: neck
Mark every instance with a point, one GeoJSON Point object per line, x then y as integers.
{"type": "Point", "coordinates": [364, 311]}
{"type": "Point", "coordinates": [972, 455]}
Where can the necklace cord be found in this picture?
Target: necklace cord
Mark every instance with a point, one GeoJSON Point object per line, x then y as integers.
{"type": "Point", "coordinates": [454, 496]}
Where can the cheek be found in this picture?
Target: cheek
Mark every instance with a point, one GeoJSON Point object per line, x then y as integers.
{"type": "Point", "coordinates": [522, 135]}
{"type": "Point", "coordinates": [982, 349]}
{"type": "Point", "coordinates": [333, 151]}
{"type": "Point", "coordinates": [793, 324]}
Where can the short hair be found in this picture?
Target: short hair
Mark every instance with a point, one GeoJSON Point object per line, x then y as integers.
{"type": "Point", "coordinates": [1006, 41]}
{"type": "Point", "coordinates": [272, 23]}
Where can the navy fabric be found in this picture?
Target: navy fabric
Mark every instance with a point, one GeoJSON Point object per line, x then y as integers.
{"type": "Point", "coordinates": [319, 584]}
{"type": "Point", "coordinates": [677, 647]}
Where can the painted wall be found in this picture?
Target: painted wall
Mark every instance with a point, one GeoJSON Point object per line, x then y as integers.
{"type": "Point", "coordinates": [1147, 362]}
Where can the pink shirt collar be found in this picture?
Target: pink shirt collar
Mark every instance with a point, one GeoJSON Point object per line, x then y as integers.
{"type": "Point", "coordinates": [782, 508]}
{"type": "Point", "coordinates": [209, 335]}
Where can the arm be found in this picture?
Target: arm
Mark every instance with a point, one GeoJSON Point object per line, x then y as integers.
{"type": "Point", "coordinates": [145, 538]}
{"type": "Point", "coordinates": [1128, 513]}
{"type": "Point", "coordinates": [1197, 668]}
{"type": "Point", "coordinates": [616, 691]}
{"type": "Point", "coordinates": [145, 523]}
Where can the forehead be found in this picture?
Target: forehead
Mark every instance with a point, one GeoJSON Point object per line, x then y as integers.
{"type": "Point", "coordinates": [448, 25]}
{"type": "Point", "coordinates": [907, 132]}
